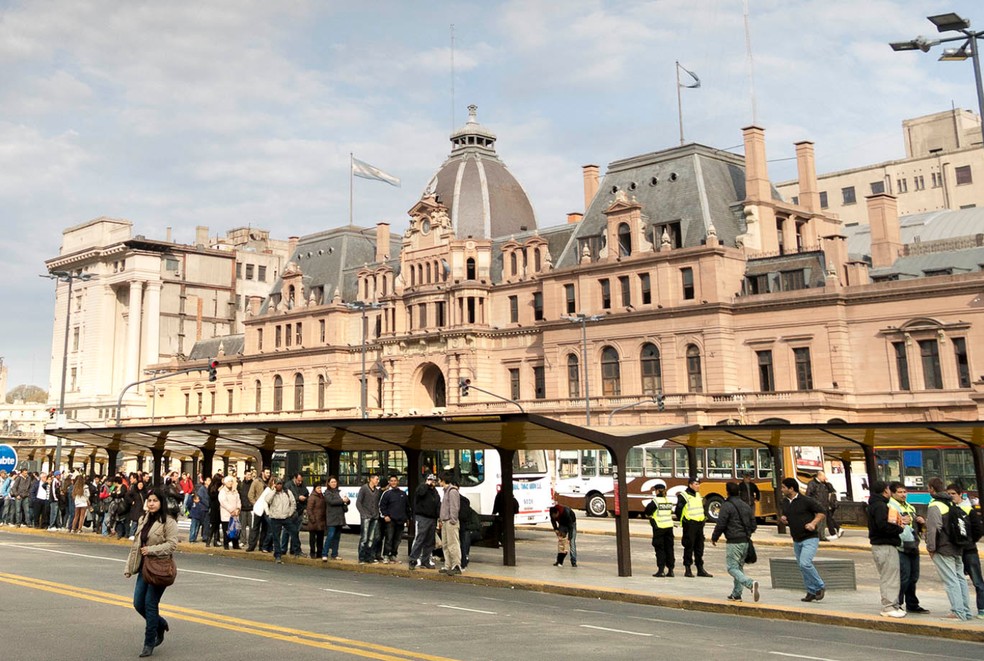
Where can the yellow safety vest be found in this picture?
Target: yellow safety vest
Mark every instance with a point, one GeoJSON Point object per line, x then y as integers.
{"type": "Point", "coordinates": [694, 511]}
{"type": "Point", "coordinates": [965, 506]}
{"type": "Point", "coordinates": [663, 516]}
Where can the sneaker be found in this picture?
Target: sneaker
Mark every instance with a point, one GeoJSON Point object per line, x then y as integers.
{"type": "Point", "coordinates": [557, 564]}
{"type": "Point", "coordinates": [952, 617]}
{"type": "Point", "coordinates": [324, 558]}
{"type": "Point", "coordinates": [131, 537]}
{"type": "Point", "coordinates": [898, 612]}
{"type": "Point", "coordinates": [455, 571]}
{"type": "Point", "coordinates": [412, 565]}
{"type": "Point", "coordinates": [732, 597]}
{"type": "Point", "coordinates": [386, 561]}
{"type": "Point", "coordinates": [755, 591]}
{"type": "Point", "coordinates": [431, 566]}
{"type": "Point", "coordinates": [280, 561]}
{"type": "Point", "coordinates": [52, 529]}
{"type": "Point", "coordinates": [445, 570]}
{"type": "Point", "coordinates": [918, 610]}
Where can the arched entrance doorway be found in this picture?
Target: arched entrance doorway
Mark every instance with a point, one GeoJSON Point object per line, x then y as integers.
{"type": "Point", "coordinates": [431, 390]}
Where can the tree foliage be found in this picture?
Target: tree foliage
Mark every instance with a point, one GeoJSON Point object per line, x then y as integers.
{"type": "Point", "coordinates": [27, 393]}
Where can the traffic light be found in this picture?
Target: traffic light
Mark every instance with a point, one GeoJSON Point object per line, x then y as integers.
{"type": "Point", "coordinates": [51, 413]}
{"type": "Point", "coordinates": [660, 402]}
{"type": "Point", "coordinates": [212, 365]}
{"type": "Point", "coordinates": [464, 384]}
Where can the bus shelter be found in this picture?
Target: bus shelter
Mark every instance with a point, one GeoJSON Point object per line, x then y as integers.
{"type": "Point", "coordinates": [506, 434]}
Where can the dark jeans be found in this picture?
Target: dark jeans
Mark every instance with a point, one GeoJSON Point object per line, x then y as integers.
{"type": "Point", "coordinates": [423, 541]}
{"type": "Point", "coordinates": [259, 532]}
{"type": "Point", "coordinates": [972, 567]}
{"type": "Point", "coordinates": [392, 535]}
{"type": "Point", "coordinates": [332, 539]}
{"type": "Point", "coordinates": [908, 577]}
{"type": "Point", "coordinates": [277, 529]}
{"type": "Point", "coordinates": [663, 546]}
{"type": "Point", "coordinates": [832, 523]}
{"type": "Point", "coordinates": [465, 540]}
{"type": "Point", "coordinates": [368, 539]}
{"type": "Point", "coordinates": [294, 531]}
{"type": "Point", "coordinates": [146, 601]}
{"type": "Point", "coordinates": [316, 541]}
{"type": "Point", "coordinates": [693, 544]}
{"type": "Point", "coordinates": [225, 537]}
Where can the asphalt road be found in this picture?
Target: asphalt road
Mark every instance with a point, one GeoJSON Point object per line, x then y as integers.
{"type": "Point", "coordinates": [65, 599]}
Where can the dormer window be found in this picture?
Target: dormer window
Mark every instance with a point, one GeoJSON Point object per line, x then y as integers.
{"type": "Point", "coordinates": [624, 240]}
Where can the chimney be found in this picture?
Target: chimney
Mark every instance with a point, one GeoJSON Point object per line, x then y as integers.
{"type": "Point", "coordinates": [590, 184]}
{"type": "Point", "coordinates": [809, 196]}
{"type": "Point", "coordinates": [291, 247]}
{"type": "Point", "coordinates": [883, 218]}
{"type": "Point", "coordinates": [167, 234]}
{"type": "Point", "coordinates": [254, 305]}
{"type": "Point", "coordinates": [382, 242]}
{"type": "Point", "coordinates": [574, 217]}
{"type": "Point", "coordinates": [757, 186]}
{"type": "Point", "coordinates": [201, 235]}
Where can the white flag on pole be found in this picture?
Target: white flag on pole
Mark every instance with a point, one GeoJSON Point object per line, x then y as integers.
{"type": "Point", "coordinates": [693, 85]}
{"type": "Point", "coordinates": [366, 171]}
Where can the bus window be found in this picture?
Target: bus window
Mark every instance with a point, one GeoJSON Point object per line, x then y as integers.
{"type": "Point", "coordinates": [681, 465]}
{"type": "Point", "coordinates": [604, 463]}
{"type": "Point", "coordinates": [314, 467]}
{"type": "Point", "coordinates": [567, 464]}
{"type": "Point", "coordinates": [764, 464]}
{"type": "Point", "coordinates": [958, 467]}
{"type": "Point", "coordinates": [932, 463]}
{"type": "Point", "coordinates": [528, 462]}
{"type": "Point", "coordinates": [472, 467]}
{"type": "Point", "coordinates": [348, 470]}
{"type": "Point", "coordinates": [589, 463]}
{"type": "Point", "coordinates": [633, 463]}
{"type": "Point", "coordinates": [371, 464]}
{"type": "Point", "coordinates": [745, 461]}
{"type": "Point", "coordinates": [720, 463]}
{"type": "Point", "coordinates": [659, 462]}
{"type": "Point", "coordinates": [436, 462]}
{"type": "Point", "coordinates": [889, 465]}
{"type": "Point", "coordinates": [914, 471]}
{"type": "Point", "coordinates": [396, 464]}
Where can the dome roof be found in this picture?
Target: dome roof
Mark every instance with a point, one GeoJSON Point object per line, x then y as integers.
{"type": "Point", "coordinates": [483, 199]}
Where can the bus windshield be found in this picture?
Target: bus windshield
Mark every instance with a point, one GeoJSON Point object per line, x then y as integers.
{"type": "Point", "coordinates": [529, 462]}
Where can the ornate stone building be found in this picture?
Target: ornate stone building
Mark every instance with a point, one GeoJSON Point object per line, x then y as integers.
{"type": "Point", "coordinates": [687, 273]}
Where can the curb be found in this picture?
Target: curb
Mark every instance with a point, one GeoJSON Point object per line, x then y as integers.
{"type": "Point", "coordinates": [956, 631]}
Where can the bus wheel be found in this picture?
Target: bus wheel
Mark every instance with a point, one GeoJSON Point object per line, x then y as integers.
{"type": "Point", "coordinates": [596, 505]}
{"type": "Point", "coordinates": [714, 504]}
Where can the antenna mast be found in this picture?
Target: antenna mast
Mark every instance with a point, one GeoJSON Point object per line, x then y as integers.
{"type": "Point", "coordinates": [751, 64]}
{"type": "Point", "coordinates": [452, 78]}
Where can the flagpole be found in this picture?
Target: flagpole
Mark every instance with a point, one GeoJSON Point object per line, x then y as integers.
{"type": "Point", "coordinates": [679, 102]}
{"type": "Point", "coordinates": [351, 184]}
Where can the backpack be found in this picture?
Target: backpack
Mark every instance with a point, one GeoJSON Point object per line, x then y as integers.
{"type": "Point", "coordinates": [468, 518]}
{"type": "Point", "coordinates": [976, 525]}
{"type": "Point", "coordinates": [958, 527]}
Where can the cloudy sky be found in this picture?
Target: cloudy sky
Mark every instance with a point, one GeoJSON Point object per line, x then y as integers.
{"type": "Point", "coordinates": [228, 113]}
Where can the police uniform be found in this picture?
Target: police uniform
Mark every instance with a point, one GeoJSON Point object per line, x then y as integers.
{"type": "Point", "coordinates": [662, 522]}
{"type": "Point", "coordinates": [690, 512]}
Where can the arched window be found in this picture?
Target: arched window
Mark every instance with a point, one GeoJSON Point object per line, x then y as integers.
{"type": "Point", "coordinates": [298, 392]}
{"type": "Point", "coordinates": [624, 240]}
{"type": "Point", "coordinates": [470, 269]}
{"type": "Point", "coordinates": [513, 263]}
{"type": "Point", "coordinates": [259, 396]}
{"type": "Point", "coordinates": [321, 391]}
{"type": "Point", "coordinates": [290, 297]}
{"type": "Point", "coordinates": [694, 381]}
{"type": "Point", "coordinates": [573, 376]}
{"type": "Point", "coordinates": [652, 373]}
{"type": "Point", "coordinates": [428, 280]}
{"type": "Point", "coordinates": [278, 394]}
{"type": "Point", "coordinates": [536, 260]}
{"type": "Point", "coordinates": [611, 376]}
{"type": "Point", "coordinates": [420, 274]}
{"type": "Point", "coordinates": [384, 285]}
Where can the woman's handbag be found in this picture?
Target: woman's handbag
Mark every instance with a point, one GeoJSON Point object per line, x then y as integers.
{"type": "Point", "coordinates": [563, 545]}
{"type": "Point", "coordinates": [159, 570]}
{"type": "Point", "coordinates": [233, 528]}
{"type": "Point", "coordinates": [751, 556]}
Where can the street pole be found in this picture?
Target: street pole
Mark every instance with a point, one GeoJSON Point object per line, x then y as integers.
{"type": "Point", "coordinates": [365, 393]}
{"type": "Point", "coordinates": [587, 381]}
{"type": "Point", "coordinates": [64, 374]}
{"type": "Point", "coordinates": [977, 79]}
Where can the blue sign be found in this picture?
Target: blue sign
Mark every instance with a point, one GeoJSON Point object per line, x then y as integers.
{"type": "Point", "coordinates": [8, 458]}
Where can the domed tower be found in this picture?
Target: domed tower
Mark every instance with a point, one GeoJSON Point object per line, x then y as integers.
{"type": "Point", "coordinates": [483, 199]}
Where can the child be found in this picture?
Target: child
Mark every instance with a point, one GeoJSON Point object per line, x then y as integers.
{"type": "Point", "coordinates": [197, 514]}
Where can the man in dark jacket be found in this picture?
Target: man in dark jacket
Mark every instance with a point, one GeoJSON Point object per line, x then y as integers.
{"type": "Point", "coordinates": [564, 523]}
{"type": "Point", "coordinates": [885, 535]}
{"type": "Point", "coordinates": [426, 509]}
{"type": "Point", "coordinates": [736, 521]}
{"type": "Point", "coordinates": [300, 492]}
{"type": "Point", "coordinates": [367, 504]}
{"type": "Point", "coordinates": [748, 491]}
{"type": "Point", "coordinates": [394, 508]}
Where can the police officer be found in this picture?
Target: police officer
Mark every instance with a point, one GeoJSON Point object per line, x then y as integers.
{"type": "Point", "coordinates": [690, 512]}
{"type": "Point", "coordinates": [660, 513]}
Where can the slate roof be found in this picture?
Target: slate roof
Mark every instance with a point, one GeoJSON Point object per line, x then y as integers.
{"type": "Point", "coordinates": [231, 345]}
{"type": "Point", "coordinates": [556, 237]}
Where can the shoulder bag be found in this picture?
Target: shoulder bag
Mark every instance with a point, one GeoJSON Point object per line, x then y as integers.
{"type": "Point", "coordinates": [159, 570]}
{"type": "Point", "coordinates": [751, 556]}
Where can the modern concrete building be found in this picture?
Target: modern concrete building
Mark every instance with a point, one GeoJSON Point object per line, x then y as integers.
{"type": "Point", "coordinates": [692, 276]}
{"type": "Point", "coordinates": [943, 168]}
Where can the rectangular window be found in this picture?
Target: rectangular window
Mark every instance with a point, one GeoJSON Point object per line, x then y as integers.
{"type": "Point", "coordinates": [963, 364]}
{"type": "Point", "coordinates": [963, 175]}
{"type": "Point", "coordinates": [249, 271]}
{"type": "Point", "coordinates": [929, 351]}
{"type": "Point", "coordinates": [187, 403]}
{"type": "Point", "coordinates": [514, 309]}
{"type": "Point", "coordinates": [901, 364]}
{"type": "Point", "coordinates": [877, 187]}
{"type": "Point", "coordinates": [645, 286]}
{"type": "Point", "coordinates": [623, 283]}
{"type": "Point", "coordinates": [849, 195]}
{"type": "Point", "coordinates": [261, 273]}
{"type": "Point", "coordinates": [570, 298]}
{"type": "Point", "coordinates": [321, 330]}
{"type": "Point", "coordinates": [211, 402]}
{"type": "Point", "coordinates": [539, 382]}
{"type": "Point", "coordinates": [792, 280]}
{"type": "Point", "coordinates": [757, 284]}
{"type": "Point", "coordinates": [239, 270]}
{"type": "Point", "coordinates": [687, 276]}
{"type": "Point", "coordinates": [439, 312]}
{"type": "Point", "coordinates": [423, 315]}
{"type": "Point", "coordinates": [795, 199]}
{"type": "Point", "coordinates": [514, 384]}
{"type": "Point", "coordinates": [918, 182]}
{"type": "Point", "coordinates": [537, 306]}
{"type": "Point", "coordinates": [200, 403]}
{"type": "Point", "coordinates": [824, 204]}
{"type": "Point", "coordinates": [277, 337]}
{"type": "Point", "coordinates": [287, 335]}
{"type": "Point", "coordinates": [573, 377]}
{"type": "Point", "coordinates": [902, 185]}
{"type": "Point", "coordinates": [74, 384]}
{"type": "Point", "coordinates": [767, 380]}
{"type": "Point", "coordinates": [259, 339]}
{"type": "Point", "coordinates": [669, 232]}
{"type": "Point", "coordinates": [298, 334]}
{"type": "Point", "coordinates": [229, 400]}
{"type": "Point", "coordinates": [804, 368]}
{"type": "Point", "coordinates": [606, 294]}
{"type": "Point", "coordinates": [75, 339]}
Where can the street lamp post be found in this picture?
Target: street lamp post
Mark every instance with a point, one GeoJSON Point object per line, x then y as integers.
{"type": "Point", "coordinates": [70, 278]}
{"type": "Point", "coordinates": [363, 307]}
{"type": "Point", "coordinates": [583, 319]}
{"type": "Point", "coordinates": [952, 23]}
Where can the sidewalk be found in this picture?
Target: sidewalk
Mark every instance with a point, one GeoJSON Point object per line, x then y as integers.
{"type": "Point", "coordinates": [596, 577]}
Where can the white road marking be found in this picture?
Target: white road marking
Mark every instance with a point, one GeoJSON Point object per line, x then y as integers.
{"type": "Point", "coordinates": [357, 594]}
{"type": "Point", "coordinates": [800, 656]}
{"type": "Point", "coordinates": [101, 557]}
{"type": "Point", "coordinates": [687, 624]}
{"type": "Point", "coordinates": [631, 633]}
{"type": "Point", "coordinates": [470, 610]}
{"type": "Point", "coordinates": [582, 610]}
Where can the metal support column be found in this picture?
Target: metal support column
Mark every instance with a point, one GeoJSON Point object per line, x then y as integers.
{"type": "Point", "coordinates": [158, 454]}
{"type": "Point", "coordinates": [508, 513]}
{"type": "Point", "coordinates": [778, 474]}
{"type": "Point", "coordinates": [113, 459]}
{"type": "Point", "coordinates": [870, 463]}
{"type": "Point", "coordinates": [266, 458]}
{"type": "Point", "coordinates": [623, 549]}
{"type": "Point", "coordinates": [208, 454]}
{"type": "Point", "coordinates": [413, 481]}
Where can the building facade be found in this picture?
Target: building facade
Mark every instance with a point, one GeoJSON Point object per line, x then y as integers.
{"type": "Point", "coordinates": [687, 274]}
{"type": "Point", "coordinates": [943, 168]}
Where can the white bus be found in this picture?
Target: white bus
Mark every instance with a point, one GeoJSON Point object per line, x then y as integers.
{"type": "Point", "coordinates": [479, 473]}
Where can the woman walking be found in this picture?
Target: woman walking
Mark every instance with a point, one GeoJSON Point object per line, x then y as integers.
{"type": "Point", "coordinates": [80, 496]}
{"type": "Point", "coordinates": [229, 506]}
{"type": "Point", "coordinates": [157, 535]}
{"type": "Point", "coordinates": [214, 520]}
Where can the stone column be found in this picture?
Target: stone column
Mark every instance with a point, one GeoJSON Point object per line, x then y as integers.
{"type": "Point", "coordinates": [153, 325]}
{"type": "Point", "coordinates": [133, 332]}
